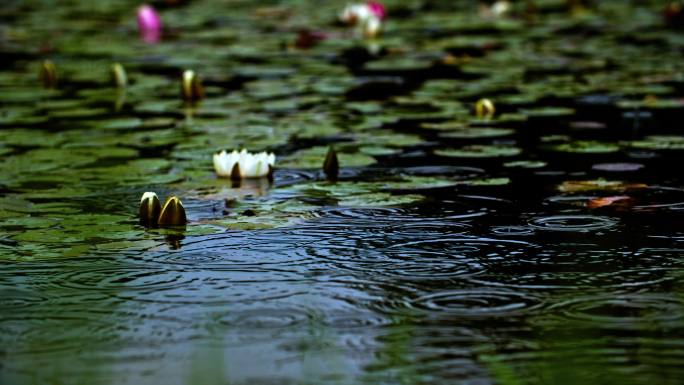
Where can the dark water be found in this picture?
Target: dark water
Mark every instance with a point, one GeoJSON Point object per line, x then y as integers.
{"type": "Point", "coordinates": [543, 246]}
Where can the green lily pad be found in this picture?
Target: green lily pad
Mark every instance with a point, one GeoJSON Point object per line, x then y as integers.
{"type": "Point", "coordinates": [659, 142]}
{"type": "Point", "coordinates": [346, 189]}
{"type": "Point", "coordinates": [266, 216]}
{"type": "Point", "coordinates": [485, 182]}
{"type": "Point", "coordinates": [313, 158]}
{"type": "Point", "coordinates": [525, 164]}
{"type": "Point", "coordinates": [587, 147]}
{"type": "Point", "coordinates": [445, 126]}
{"type": "Point", "coordinates": [480, 151]}
{"type": "Point", "coordinates": [477, 133]}
{"type": "Point", "coordinates": [378, 200]}
{"type": "Point", "coordinates": [548, 112]}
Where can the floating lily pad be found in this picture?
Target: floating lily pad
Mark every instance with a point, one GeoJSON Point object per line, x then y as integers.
{"type": "Point", "coordinates": [485, 182]}
{"type": "Point", "coordinates": [525, 164]}
{"type": "Point", "coordinates": [378, 200]}
{"type": "Point", "coordinates": [653, 103]}
{"type": "Point", "coordinates": [313, 158]}
{"type": "Point", "coordinates": [388, 138]}
{"type": "Point", "coordinates": [346, 189]}
{"type": "Point", "coordinates": [379, 150]}
{"type": "Point", "coordinates": [266, 216]}
{"type": "Point", "coordinates": [587, 147]}
{"type": "Point", "coordinates": [445, 126]}
{"type": "Point", "coordinates": [480, 151]}
{"type": "Point", "coordinates": [477, 132]}
{"type": "Point", "coordinates": [618, 167]}
{"type": "Point", "coordinates": [659, 142]}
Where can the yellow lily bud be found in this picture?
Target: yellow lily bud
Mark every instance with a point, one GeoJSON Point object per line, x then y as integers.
{"type": "Point", "coordinates": [331, 166]}
{"type": "Point", "coordinates": [484, 109]}
{"type": "Point", "coordinates": [48, 74]}
{"type": "Point", "coordinates": [149, 209]}
{"type": "Point", "coordinates": [173, 213]}
{"type": "Point", "coordinates": [191, 86]}
{"type": "Point", "coordinates": [119, 78]}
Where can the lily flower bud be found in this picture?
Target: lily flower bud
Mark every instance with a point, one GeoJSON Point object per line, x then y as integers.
{"type": "Point", "coordinates": [149, 24]}
{"type": "Point", "coordinates": [150, 208]}
{"type": "Point", "coordinates": [191, 86]}
{"type": "Point", "coordinates": [48, 74]}
{"type": "Point", "coordinates": [377, 9]}
{"type": "Point", "coordinates": [331, 166]}
{"type": "Point", "coordinates": [484, 109]}
{"type": "Point", "coordinates": [173, 213]}
{"type": "Point", "coordinates": [119, 77]}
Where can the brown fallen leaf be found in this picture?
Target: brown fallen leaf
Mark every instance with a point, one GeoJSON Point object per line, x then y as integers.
{"type": "Point", "coordinates": [598, 185]}
{"type": "Point", "coordinates": [606, 201]}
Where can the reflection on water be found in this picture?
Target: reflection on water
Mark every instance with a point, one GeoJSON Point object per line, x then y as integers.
{"type": "Point", "coordinates": [542, 246]}
{"type": "Point", "coordinates": [397, 298]}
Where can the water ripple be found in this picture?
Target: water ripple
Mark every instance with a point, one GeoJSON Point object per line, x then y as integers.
{"type": "Point", "coordinates": [628, 311]}
{"type": "Point", "coordinates": [485, 302]}
{"type": "Point", "coordinates": [573, 223]}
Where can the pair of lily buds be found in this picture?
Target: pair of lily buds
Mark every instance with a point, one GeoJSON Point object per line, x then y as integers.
{"type": "Point", "coordinates": [191, 84]}
{"type": "Point", "coordinates": [48, 75]}
{"type": "Point", "coordinates": [152, 213]}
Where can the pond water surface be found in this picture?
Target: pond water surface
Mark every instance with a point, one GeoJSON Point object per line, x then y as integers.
{"type": "Point", "coordinates": [541, 246]}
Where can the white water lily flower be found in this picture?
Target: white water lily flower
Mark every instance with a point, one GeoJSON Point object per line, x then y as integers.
{"type": "Point", "coordinates": [500, 8]}
{"type": "Point", "coordinates": [355, 13]}
{"type": "Point", "coordinates": [366, 17]}
{"type": "Point", "coordinates": [243, 164]}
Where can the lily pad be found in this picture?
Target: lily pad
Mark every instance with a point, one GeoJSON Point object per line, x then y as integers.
{"type": "Point", "coordinates": [378, 200]}
{"type": "Point", "coordinates": [480, 151]}
{"type": "Point", "coordinates": [587, 147]}
{"type": "Point", "coordinates": [313, 158]}
{"type": "Point", "coordinates": [659, 142]}
{"type": "Point", "coordinates": [477, 133]}
{"type": "Point", "coordinates": [525, 164]}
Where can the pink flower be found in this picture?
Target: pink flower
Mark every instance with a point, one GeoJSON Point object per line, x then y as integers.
{"type": "Point", "coordinates": [377, 9]}
{"type": "Point", "coordinates": [149, 24]}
